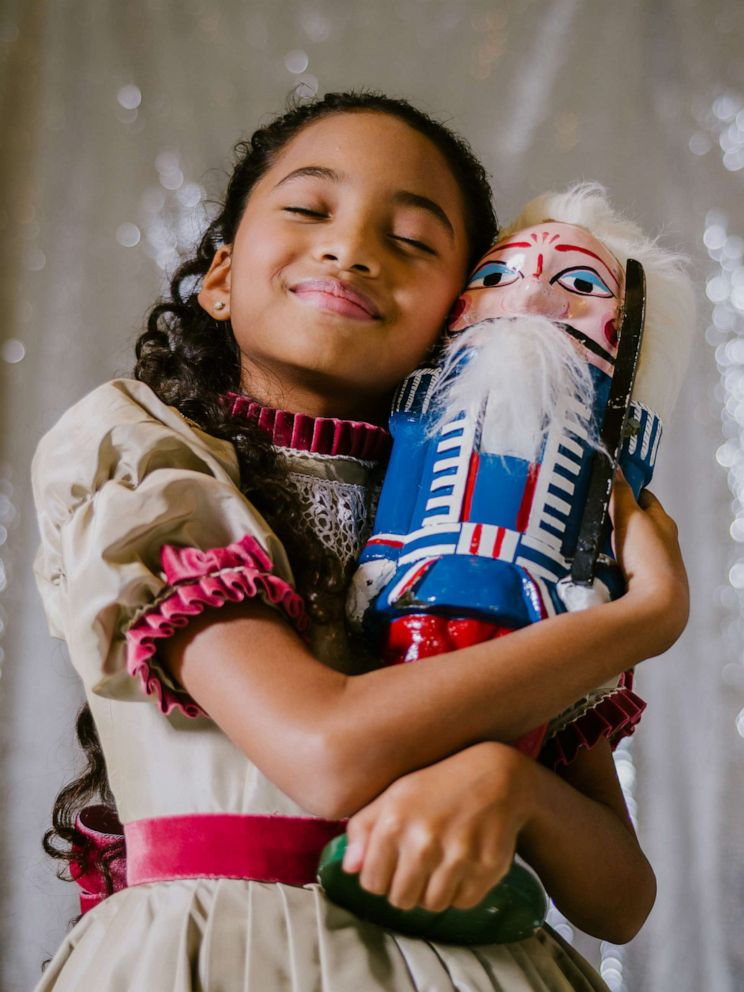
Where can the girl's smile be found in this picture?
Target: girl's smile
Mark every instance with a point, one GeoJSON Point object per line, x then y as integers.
{"type": "Point", "coordinates": [349, 253]}
{"type": "Point", "coordinates": [335, 296]}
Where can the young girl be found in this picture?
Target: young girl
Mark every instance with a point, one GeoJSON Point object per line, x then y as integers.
{"type": "Point", "coordinates": [198, 524]}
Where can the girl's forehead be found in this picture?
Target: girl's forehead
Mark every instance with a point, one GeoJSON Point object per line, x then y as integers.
{"type": "Point", "coordinates": [369, 144]}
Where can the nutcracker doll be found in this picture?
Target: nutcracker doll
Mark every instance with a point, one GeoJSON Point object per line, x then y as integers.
{"type": "Point", "coordinates": [495, 442]}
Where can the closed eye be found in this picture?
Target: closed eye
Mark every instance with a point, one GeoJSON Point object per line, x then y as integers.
{"type": "Point", "coordinates": [305, 211]}
{"type": "Point", "coordinates": [416, 244]}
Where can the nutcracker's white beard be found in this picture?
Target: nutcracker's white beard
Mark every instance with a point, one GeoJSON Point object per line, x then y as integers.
{"type": "Point", "coordinates": [525, 368]}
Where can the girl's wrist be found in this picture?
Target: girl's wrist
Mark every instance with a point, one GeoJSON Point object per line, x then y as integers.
{"type": "Point", "coordinates": [511, 775]}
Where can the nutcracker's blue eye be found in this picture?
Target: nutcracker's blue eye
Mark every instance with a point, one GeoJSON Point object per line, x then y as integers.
{"type": "Point", "coordinates": [583, 282]}
{"type": "Point", "coordinates": [492, 274]}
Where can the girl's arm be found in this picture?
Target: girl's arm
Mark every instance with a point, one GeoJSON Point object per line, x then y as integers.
{"type": "Point", "coordinates": [333, 741]}
{"type": "Point", "coordinates": [444, 835]}
{"type": "Point", "coordinates": [581, 841]}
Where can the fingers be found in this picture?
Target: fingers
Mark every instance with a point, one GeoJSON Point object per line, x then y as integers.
{"type": "Point", "coordinates": [653, 507]}
{"type": "Point", "coordinates": [622, 493]}
{"type": "Point", "coordinates": [462, 884]}
{"type": "Point", "coordinates": [655, 512]}
{"type": "Point", "coordinates": [442, 888]}
{"type": "Point", "coordinates": [645, 540]}
{"type": "Point", "coordinates": [424, 878]}
{"type": "Point", "coordinates": [420, 856]}
{"type": "Point", "coordinates": [419, 844]}
{"type": "Point", "coordinates": [622, 500]}
{"type": "Point", "coordinates": [494, 862]}
{"type": "Point", "coordinates": [651, 504]}
{"type": "Point", "coordinates": [381, 856]}
{"type": "Point", "coordinates": [647, 500]}
{"type": "Point", "coordinates": [623, 504]}
{"type": "Point", "coordinates": [469, 893]}
{"type": "Point", "coordinates": [358, 830]}
{"type": "Point", "coordinates": [620, 479]}
{"type": "Point", "coordinates": [411, 867]}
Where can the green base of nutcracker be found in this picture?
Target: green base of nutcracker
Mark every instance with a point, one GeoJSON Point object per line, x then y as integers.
{"type": "Point", "coordinates": [511, 911]}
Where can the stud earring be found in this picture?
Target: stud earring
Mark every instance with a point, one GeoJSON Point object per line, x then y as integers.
{"type": "Point", "coordinates": [219, 305]}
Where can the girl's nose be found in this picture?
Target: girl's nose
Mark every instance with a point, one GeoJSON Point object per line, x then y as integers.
{"type": "Point", "coordinates": [350, 249]}
{"type": "Point", "coordinates": [534, 295]}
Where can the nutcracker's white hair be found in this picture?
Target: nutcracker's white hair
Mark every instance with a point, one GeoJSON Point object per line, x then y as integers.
{"type": "Point", "coordinates": [670, 300]}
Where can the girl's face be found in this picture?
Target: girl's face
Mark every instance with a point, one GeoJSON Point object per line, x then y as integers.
{"type": "Point", "coordinates": [351, 249]}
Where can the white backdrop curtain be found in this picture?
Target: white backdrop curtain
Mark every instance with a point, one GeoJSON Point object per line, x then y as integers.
{"type": "Point", "coordinates": [117, 122]}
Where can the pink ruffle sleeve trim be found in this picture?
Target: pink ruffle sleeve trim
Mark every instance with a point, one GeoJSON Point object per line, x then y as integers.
{"type": "Point", "coordinates": [197, 580]}
{"type": "Point", "coordinates": [612, 718]}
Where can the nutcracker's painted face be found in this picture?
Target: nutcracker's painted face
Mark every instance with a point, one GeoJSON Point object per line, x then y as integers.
{"type": "Point", "coordinates": [557, 270]}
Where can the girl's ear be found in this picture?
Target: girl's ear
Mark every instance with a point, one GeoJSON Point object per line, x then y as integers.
{"type": "Point", "coordinates": [214, 296]}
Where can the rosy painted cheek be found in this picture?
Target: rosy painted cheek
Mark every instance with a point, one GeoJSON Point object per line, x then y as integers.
{"type": "Point", "coordinates": [610, 333]}
{"type": "Point", "coordinates": [458, 309]}
{"type": "Point", "coordinates": [465, 312]}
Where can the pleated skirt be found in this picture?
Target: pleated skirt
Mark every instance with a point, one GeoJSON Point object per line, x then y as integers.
{"type": "Point", "coordinates": [232, 935]}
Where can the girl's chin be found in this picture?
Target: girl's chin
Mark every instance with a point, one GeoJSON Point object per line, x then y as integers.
{"type": "Point", "coordinates": [327, 321]}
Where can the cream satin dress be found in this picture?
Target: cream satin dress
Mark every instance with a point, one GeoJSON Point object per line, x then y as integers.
{"type": "Point", "coordinates": [118, 477]}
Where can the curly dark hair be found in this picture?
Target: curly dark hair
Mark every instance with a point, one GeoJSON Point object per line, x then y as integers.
{"type": "Point", "coordinates": [190, 361]}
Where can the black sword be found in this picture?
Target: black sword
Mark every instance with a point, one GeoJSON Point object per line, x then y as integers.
{"type": "Point", "coordinates": [605, 459]}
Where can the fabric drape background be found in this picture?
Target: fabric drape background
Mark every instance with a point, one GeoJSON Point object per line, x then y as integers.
{"type": "Point", "coordinates": [117, 124]}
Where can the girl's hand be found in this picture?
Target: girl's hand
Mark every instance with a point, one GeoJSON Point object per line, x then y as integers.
{"type": "Point", "coordinates": [647, 550]}
{"type": "Point", "coordinates": [443, 835]}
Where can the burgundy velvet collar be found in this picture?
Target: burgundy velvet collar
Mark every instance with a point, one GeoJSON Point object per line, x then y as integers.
{"type": "Point", "coordinates": [319, 435]}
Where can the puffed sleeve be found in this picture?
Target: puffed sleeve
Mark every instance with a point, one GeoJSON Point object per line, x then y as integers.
{"type": "Point", "coordinates": [143, 526]}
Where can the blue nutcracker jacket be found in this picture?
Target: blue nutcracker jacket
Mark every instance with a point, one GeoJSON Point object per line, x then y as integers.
{"type": "Point", "coordinates": [467, 532]}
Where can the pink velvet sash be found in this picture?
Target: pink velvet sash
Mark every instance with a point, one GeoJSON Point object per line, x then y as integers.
{"type": "Point", "coordinates": [101, 853]}
{"type": "Point", "coordinates": [264, 848]}
{"type": "Point", "coordinates": [227, 845]}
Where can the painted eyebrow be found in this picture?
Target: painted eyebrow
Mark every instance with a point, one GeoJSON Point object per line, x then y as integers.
{"type": "Point", "coordinates": [402, 196]}
{"type": "Point", "coordinates": [512, 244]}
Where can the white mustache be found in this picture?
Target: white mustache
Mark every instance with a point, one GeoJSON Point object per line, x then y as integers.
{"type": "Point", "coordinates": [522, 371]}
